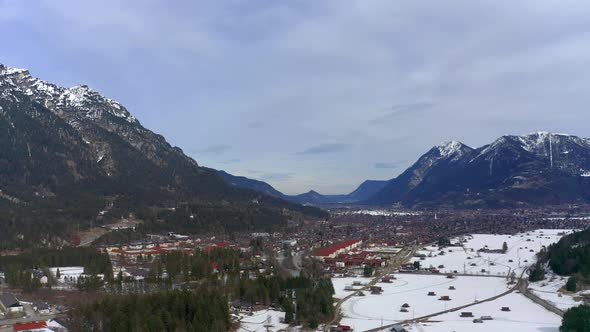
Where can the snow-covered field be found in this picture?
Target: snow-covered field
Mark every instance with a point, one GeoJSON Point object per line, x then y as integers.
{"type": "Point", "coordinates": [260, 320]}
{"type": "Point", "coordinates": [522, 250]}
{"type": "Point", "coordinates": [70, 272]}
{"type": "Point", "coordinates": [548, 290]}
{"type": "Point", "coordinates": [366, 312]}
{"type": "Point", "coordinates": [525, 316]}
{"type": "Point", "coordinates": [370, 311]}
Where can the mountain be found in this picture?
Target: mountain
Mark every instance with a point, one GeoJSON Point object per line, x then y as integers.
{"type": "Point", "coordinates": [534, 169]}
{"type": "Point", "coordinates": [73, 150]}
{"type": "Point", "coordinates": [366, 190]}
{"type": "Point", "coordinates": [363, 192]}
{"type": "Point", "coordinates": [244, 182]}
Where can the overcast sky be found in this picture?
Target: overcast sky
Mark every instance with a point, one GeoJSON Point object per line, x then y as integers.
{"type": "Point", "coordinates": [316, 94]}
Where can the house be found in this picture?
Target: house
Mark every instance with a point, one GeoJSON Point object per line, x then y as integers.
{"type": "Point", "coordinates": [486, 318]}
{"type": "Point", "coordinates": [445, 298]}
{"type": "Point", "coordinates": [376, 290]}
{"type": "Point", "coordinates": [466, 314]}
{"type": "Point", "coordinates": [452, 288]}
{"type": "Point", "coordinates": [405, 305]}
{"type": "Point", "coordinates": [505, 309]}
{"type": "Point", "coordinates": [397, 328]}
{"type": "Point", "coordinates": [9, 303]}
{"type": "Point", "coordinates": [431, 294]}
{"type": "Point", "coordinates": [41, 307]}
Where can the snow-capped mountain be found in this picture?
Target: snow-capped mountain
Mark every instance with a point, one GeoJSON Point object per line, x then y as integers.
{"type": "Point", "coordinates": [538, 168]}
{"type": "Point", "coordinates": [436, 160]}
{"type": "Point", "coordinates": [65, 143]}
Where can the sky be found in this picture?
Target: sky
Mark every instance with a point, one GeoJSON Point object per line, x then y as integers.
{"type": "Point", "coordinates": [316, 94]}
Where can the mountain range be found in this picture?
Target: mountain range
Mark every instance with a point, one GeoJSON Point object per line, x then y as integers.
{"type": "Point", "coordinates": [72, 149]}
{"type": "Point", "coordinates": [535, 169]}
{"type": "Point", "coordinates": [366, 190]}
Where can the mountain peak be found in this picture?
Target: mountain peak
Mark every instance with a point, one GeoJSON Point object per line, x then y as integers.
{"type": "Point", "coordinates": [452, 148]}
{"type": "Point", "coordinates": [79, 101]}
{"type": "Point", "coordinates": [5, 70]}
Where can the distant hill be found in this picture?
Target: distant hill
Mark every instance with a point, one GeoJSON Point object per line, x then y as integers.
{"type": "Point", "coordinates": [363, 192]}
{"type": "Point", "coordinates": [535, 169]}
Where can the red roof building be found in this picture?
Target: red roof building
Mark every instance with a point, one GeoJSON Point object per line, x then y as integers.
{"type": "Point", "coordinates": [336, 249]}
{"type": "Point", "coordinates": [32, 326]}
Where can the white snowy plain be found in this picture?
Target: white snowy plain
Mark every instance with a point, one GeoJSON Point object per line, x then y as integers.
{"type": "Point", "coordinates": [525, 316]}
{"type": "Point", "coordinates": [522, 250]}
{"type": "Point", "coordinates": [370, 311]}
{"type": "Point", "coordinates": [261, 320]}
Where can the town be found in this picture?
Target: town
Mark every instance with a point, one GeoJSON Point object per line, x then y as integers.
{"type": "Point", "coordinates": [364, 252]}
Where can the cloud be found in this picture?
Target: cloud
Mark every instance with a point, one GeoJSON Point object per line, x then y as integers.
{"type": "Point", "coordinates": [401, 110]}
{"type": "Point", "coordinates": [325, 148]}
{"type": "Point", "coordinates": [312, 72]}
{"type": "Point", "coordinates": [230, 161]}
{"type": "Point", "coordinates": [215, 149]}
{"type": "Point", "coordinates": [270, 176]}
{"type": "Point", "coordinates": [255, 124]}
{"type": "Point", "coordinates": [275, 176]}
{"type": "Point", "coordinates": [389, 165]}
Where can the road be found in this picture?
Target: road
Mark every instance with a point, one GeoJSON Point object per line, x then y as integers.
{"type": "Point", "coordinates": [402, 257]}
{"type": "Point", "coordinates": [524, 289]}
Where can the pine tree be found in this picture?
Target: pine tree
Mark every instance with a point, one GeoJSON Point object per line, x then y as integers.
{"type": "Point", "coordinates": [571, 285]}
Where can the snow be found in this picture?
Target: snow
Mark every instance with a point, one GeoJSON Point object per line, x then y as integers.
{"type": "Point", "coordinates": [548, 290]}
{"type": "Point", "coordinates": [72, 272]}
{"type": "Point", "coordinates": [12, 71]}
{"type": "Point", "coordinates": [525, 316]}
{"type": "Point", "coordinates": [452, 148]}
{"type": "Point", "coordinates": [379, 212]}
{"type": "Point", "coordinates": [460, 259]}
{"type": "Point", "coordinates": [369, 311]}
{"type": "Point", "coordinates": [259, 319]}
{"type": "Point", "coordinates": [54, 325]}
{"type": "Point", "coordinates": [77, 95]}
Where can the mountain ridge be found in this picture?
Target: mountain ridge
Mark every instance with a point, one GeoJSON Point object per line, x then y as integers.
{"type": "Point", "coordinates": [312, 197]}
{"type": "Point", "coordinates": [532, 169]}
{"type": "Point", "coordinates": [67, 153]}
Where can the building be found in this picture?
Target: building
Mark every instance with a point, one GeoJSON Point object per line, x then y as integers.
{"type": "Point", "coordinates": [9, 303]}
{"type": "Point", "coordinates": [32, 326]}
{"type": "Point", "coordinates": [41, 307]}
{"type": "Point", "coordinates": [336, 249]}
{"type": "Point", "coordinates": [397, 328]}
